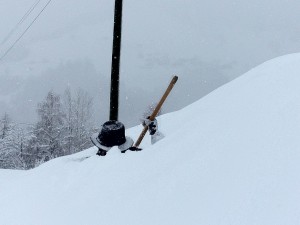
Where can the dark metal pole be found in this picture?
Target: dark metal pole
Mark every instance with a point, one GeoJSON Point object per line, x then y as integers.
{"type": "Point", "coordinates": [115, 65]}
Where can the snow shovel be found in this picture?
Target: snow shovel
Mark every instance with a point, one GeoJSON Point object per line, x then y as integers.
{"type": "Point", "coordinates": [156, 110]}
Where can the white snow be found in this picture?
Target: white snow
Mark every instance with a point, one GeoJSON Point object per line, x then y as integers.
{"type": "Point", "coordinates": [229, 158]}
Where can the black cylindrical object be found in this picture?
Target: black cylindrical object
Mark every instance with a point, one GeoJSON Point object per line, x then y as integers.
{"type": "Point", "coordinates": [115, 65]}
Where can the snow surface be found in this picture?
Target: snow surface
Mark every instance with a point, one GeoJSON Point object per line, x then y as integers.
{"type": "Point", "coordinates": [229, 158]}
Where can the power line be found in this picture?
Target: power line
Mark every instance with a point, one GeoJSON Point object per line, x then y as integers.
{"type": "Point", "coordinates": [25, 16]}
{"type": "Point", "coordinates": [23, 123]}
{"type": "Point", "coordinates": [13, 45]}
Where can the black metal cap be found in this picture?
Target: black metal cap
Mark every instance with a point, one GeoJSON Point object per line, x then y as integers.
{"type": "Point", "coordinates": [112, 134]}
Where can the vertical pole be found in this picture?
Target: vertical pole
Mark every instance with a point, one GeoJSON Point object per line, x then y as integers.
{"type": "Point", "coordinates": [115, 65]}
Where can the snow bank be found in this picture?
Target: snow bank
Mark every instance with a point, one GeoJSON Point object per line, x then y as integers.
{"type": "Point", "coordinates": [229, 158]}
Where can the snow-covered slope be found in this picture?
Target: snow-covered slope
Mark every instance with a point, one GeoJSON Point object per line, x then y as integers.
{"type": "Point", "coordinates": [230, 158]}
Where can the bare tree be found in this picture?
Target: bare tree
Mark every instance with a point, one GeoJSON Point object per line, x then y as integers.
{"type": "Point", "coordinates": [78, 120]}
{"type": "Point", "coordinates": [69, 120]}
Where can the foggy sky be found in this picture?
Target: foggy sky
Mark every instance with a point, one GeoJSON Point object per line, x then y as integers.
{"type": "Point", "coordinates": [206, 43]}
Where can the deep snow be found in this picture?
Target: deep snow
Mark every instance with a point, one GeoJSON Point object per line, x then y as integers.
{"type": "Point", "coordinates": [229, 158]}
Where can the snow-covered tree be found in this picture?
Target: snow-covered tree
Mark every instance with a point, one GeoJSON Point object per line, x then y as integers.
{"type": "Point", "coordinates": [5, 126]}
{"type": "Point", "coordinates": [48, 132]}
{"type": "Point", "coordinates": [78, 120]}
{"type": "Point", "coordinates": [12, 143]}
{"type": "Point", "coordinates": [62, 129]}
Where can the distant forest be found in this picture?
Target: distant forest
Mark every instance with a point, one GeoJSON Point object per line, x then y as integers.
{"type": "Point", "coordinates": [64, 126]}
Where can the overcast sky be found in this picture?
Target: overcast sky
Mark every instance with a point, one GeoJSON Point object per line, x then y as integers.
{"type": "Point", "coordinates": [206, 43]}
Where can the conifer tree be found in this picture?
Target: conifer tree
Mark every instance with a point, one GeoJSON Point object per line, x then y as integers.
{"type": "Point", "coordinates": [50, 128]}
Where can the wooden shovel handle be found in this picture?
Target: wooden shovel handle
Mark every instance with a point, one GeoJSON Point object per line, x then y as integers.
{"type": "Point", "coordinates": [156, 110]}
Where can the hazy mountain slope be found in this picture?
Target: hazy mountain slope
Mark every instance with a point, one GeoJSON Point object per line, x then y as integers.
{"type": "Point", "coordinates": [229, 158]}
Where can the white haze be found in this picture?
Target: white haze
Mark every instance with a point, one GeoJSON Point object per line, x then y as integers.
{"type": "Point", "coordinates": [206, 43]}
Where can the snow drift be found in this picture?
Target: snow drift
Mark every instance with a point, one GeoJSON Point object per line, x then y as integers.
{"type": "Point", "coordinates": [229, 158]}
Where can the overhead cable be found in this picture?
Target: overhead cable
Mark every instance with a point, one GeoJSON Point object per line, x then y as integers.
{"type": "Point", "coordinates": [25, 16]}
{"type": "Point", "coordinates": [13, 45]}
